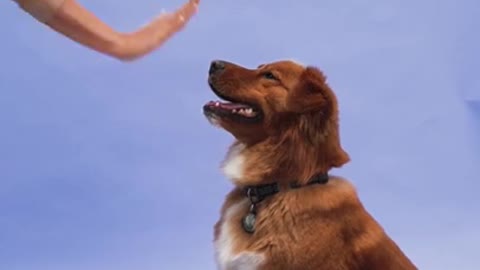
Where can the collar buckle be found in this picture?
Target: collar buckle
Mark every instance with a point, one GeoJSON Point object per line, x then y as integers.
{"type": "Point", "coordinates": [252, 195]}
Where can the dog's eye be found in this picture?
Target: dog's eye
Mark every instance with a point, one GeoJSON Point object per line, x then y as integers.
{"type": "Point", "coordinates": [269, 75]}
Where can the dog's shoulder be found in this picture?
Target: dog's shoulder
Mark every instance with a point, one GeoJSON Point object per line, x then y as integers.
{"type": "Point", "coordinates": [359, 240]}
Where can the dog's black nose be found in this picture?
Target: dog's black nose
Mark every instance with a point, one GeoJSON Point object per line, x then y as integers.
{"type": "Point", "coordinates": [216, 66]}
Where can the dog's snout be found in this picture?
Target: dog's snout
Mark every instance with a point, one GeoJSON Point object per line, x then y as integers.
{"type": "Point", "coordinates": [216, 66]}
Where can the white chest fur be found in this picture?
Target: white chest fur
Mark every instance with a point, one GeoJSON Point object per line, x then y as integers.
{"type": "Point", "coordinates": [233, 165]}
{"type": "Point", "coordinates": [227, 259]}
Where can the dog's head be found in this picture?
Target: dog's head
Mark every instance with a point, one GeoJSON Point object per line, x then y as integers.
{"type": "Point", "coordinates": [281, 100]}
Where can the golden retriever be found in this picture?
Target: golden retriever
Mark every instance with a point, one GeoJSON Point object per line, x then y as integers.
{"type": "Point", "coordinates": [285, 210]}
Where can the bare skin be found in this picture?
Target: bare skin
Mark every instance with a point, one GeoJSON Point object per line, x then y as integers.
{"type": "Point", "coordinates": [72, 20]}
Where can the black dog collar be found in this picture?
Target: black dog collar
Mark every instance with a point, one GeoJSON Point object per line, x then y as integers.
{"type": "Point", "coordinates": [256, 194]}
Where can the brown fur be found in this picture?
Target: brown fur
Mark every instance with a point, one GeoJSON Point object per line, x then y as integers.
{"type": "Point", "coordinates": [314, 227]}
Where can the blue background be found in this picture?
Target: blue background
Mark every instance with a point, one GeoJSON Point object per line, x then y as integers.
{"type": "Point", "coordinates": [106, 165]}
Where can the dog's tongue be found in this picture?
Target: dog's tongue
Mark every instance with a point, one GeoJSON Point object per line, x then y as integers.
{"type": "Point", "coordinates": [232, 106]}
{"type": "Point", "coordinates": [228, 105]}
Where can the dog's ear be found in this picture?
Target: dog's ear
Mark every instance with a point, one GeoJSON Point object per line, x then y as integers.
{"type": "Point", "coordinates": [323, 134]}
{"type": "Point", "coordinates": [311, 93]}
{"type": "Point", "coordinates": [316, 105]}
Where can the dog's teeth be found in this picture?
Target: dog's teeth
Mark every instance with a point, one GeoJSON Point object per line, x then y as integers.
{"type": "Point", "coordinates": [234, 111]}
{"type": "Point", "coordinates": [217, 104]}
{"type": "Point", "coordinates": [249, 110]}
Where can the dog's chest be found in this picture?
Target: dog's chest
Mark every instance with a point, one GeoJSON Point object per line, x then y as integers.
{"type": "Point", "coordinates": [227, 254]}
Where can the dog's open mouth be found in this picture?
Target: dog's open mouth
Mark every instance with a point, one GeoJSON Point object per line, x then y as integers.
{"type": "Point", "coordinates": [232, 109]}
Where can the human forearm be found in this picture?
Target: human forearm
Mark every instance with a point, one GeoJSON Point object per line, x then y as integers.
{"type": "Point", "coordinates": [77, 23]}
{"type": "Point", "coordinates": [72, 20]}
{"type": "Point", "coordinates": [42, 10]}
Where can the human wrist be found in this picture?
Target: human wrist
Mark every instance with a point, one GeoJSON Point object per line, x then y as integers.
{"type": "Point", "coordinates": [126, 47]}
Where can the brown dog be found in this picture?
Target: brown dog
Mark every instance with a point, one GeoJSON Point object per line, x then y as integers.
{"type": "Point", "coordinates": [285, 211]}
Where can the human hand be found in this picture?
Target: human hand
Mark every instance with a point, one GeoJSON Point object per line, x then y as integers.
{"type": "Point", "coordinates": [176, 21]}
{"type": "Point", "coordinates": [156, 33]}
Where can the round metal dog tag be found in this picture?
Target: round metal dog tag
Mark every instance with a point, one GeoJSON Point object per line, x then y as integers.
{"type": "Point", "coordinates": [248, 223]}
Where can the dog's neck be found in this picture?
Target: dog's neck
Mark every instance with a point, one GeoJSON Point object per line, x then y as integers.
{"type": "Point", "coordinates": [279, 161]}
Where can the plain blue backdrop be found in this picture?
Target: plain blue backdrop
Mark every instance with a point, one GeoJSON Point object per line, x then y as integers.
{"type": "Point", "coordinates": [112, 166]}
